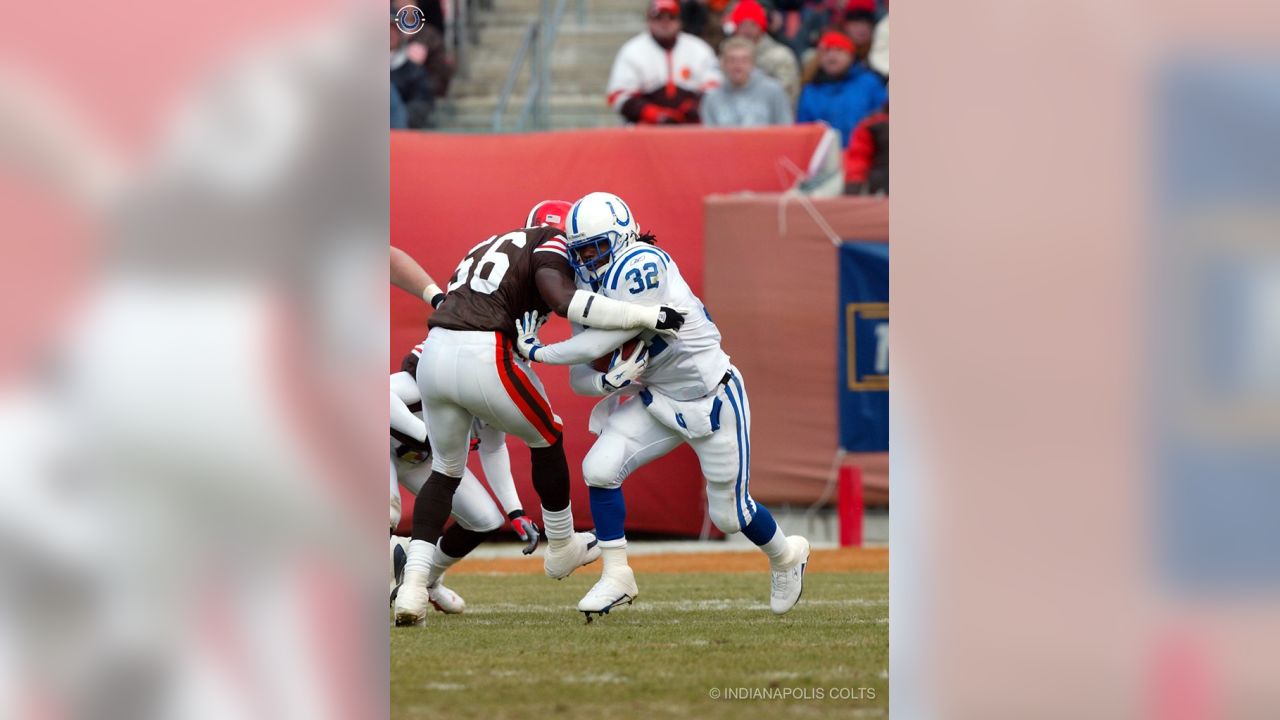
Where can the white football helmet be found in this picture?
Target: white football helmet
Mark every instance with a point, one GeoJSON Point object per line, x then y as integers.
{"type": "Point", "coordinates": [600, 226]}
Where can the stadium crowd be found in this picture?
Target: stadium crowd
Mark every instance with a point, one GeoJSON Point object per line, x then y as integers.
{"type": "Point", "coordinates": [721, 63]}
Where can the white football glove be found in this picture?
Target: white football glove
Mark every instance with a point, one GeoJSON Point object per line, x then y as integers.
{"type": "Point", "coordinates": [625, 370]}
{"type": "Point", "coordinates": [527, 343]}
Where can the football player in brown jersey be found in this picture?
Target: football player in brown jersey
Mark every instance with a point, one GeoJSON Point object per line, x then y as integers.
{"type": "Point", "coordinates": [469, 368]}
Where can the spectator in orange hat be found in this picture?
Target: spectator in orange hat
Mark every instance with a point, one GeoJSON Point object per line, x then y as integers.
{"type": "Point", "coordinates": [842, 93]}
{"type": "Point", "coordinates": [660, 75]}
{"type": "Point", "coordinates": [750, 21]}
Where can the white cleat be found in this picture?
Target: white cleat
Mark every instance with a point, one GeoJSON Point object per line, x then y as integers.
{"type": "Point", "coordinates": [615, 588]}
{"type": "Point", "coordinates": [445, 600]}
{"type": "Point", "coordinates": [787, 583]}
{"type": "Point", "coordinates": [560, 561]}
{"type": "Point", "coordinates": [412, 599]}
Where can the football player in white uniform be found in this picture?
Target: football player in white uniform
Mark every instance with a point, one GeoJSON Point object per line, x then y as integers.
{"type": "Point", "coordinates": [686, 391]}
{"type": "Point", "coordinates": [475, 515]}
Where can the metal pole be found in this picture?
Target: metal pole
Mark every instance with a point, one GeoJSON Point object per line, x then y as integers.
{"type": "Point", "coordinates": [463, 33]}
{"type": "Point", "coordinates": [544, 60]}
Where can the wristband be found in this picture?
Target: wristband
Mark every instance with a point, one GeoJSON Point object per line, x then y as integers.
{"type": "Point", "coordinates": [433, 294]}
{"type": "Point", "coordinates": [514, 514]}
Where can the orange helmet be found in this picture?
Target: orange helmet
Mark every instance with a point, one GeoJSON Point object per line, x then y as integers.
{"type": "Point", "coordinates": [549, 212]}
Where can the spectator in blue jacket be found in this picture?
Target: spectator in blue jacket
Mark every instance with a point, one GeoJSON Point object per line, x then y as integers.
{"type": "Point", "coordinates": [842, 93]}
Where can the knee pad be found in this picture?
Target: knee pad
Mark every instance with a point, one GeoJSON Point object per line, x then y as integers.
{"type": "Point", "coordinates": [602, 468]}
{"type": "Point", "coordinates": [723, 508]}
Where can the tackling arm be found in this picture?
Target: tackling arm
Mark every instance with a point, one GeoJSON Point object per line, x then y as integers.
{"type": "Point", "coordinates": [404, 421]}
{"type": "Point", "coordinates": [597, 311]}
{"type": "Point", "coordinates": [583, 347]}
{"type": "Point", "coordinates": [405, 387]}
{"type": "Point", "coordinates": [496, 463]}
{"type": "Point", "coordinates": [585, 380]}
{"type": "Point", "coordinates": [409, 276]}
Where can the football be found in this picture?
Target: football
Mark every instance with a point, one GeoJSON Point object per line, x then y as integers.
{"type": "Point", "coordinates": [604, 362]}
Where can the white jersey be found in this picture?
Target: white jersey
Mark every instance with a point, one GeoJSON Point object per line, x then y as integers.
{"type": "Point", "coordinates": [643, 66]}
{"type": "Point", "coordinates": [691, 365]}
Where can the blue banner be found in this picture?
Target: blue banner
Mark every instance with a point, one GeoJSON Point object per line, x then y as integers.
{"type": "Point", "coordinates": [1213, 373]}
{"type": "Point", "coordinates": [864, 347]}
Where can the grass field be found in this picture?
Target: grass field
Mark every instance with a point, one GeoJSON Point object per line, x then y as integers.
{"type": "Point", "coordinates": [522, 651]}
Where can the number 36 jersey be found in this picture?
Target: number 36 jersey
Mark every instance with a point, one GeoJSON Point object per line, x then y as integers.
{"type": "Point", "coordinates": [494, 284]}
{"type": "Point", "coordinates": [691, 365]}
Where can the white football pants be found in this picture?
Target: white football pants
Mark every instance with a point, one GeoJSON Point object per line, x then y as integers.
{"type": "Point", "coordinates": [632, 437]}
{"type": "Point", "coordinates": [464, 374]}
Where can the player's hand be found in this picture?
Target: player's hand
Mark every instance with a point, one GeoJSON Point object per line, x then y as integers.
{"type": "Point", "coordinates": [625, 370]}
{"type": "Point", "coordinates": [527, 327]}
{"type": "Point", "coordinates": [527, 530]}
{"type": "Point", "coordinates": [669, 321]}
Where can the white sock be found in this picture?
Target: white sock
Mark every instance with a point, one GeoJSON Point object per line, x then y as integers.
{"type": "Point", "coordinates": [440, 564]}
{"type": "Point", "coordinates": [613, 553]}
{"type": "Point", "coordinates": [778, 549]}
{"type": "Point", "coordinates": [558, 524]}
{"type": "Point", "coordinates": [419, 556]}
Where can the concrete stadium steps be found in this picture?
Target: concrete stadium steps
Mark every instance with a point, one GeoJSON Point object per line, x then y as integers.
{"type": "Point", "coordinates": [580, 61]}
{"type": "Point", "coordinates": [579, 65]}
{"type": "Point", "coordinates": [520, 12]}
{"type": "Point", "coordinates": [475, 113]}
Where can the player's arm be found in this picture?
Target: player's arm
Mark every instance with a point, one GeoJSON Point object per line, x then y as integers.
{"type": "Point", "coordinates": [496, 463]}
{"type": "Point", "coordinates": [405, 387]}
{"type": "Point", "coordinates": [586, 380]}
{"type": "Point", "coordinates": [404, 421]}
{"type": "Point", "coordinates": [581, 348]}
{"type": "Point", "coordinates": [409, 276]}
{"type": "Point", "coordinates": [589, 309]}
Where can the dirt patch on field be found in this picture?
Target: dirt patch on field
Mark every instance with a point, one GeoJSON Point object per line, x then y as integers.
{"type": "Point", "coordinates": [820, 561]}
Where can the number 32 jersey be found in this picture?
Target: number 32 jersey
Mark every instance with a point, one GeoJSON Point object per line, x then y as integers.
{"type": "Point", "coordinates": [691, 365]}
{"type": "Point", "coordinates": [494, 284]}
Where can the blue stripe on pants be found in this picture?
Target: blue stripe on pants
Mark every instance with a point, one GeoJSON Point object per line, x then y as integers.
{"type": "Point", "coordinates": [737, 483]}
{"type": "Point", "coordinates": [746, 439]}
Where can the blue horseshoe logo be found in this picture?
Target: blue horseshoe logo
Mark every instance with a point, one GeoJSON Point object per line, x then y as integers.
{"type": "Point", "coordinates": [410, 20]}
{"type": "Point", "coordinates": [620, 221]}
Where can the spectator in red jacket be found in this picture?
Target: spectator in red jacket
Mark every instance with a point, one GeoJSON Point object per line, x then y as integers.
{"type": "Point", "coordinates": [866, 162]}
{"type": "Point", "coordinates": [660, 75]}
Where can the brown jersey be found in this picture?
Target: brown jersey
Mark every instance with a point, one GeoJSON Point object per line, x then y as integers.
{"type": "Point", "coordinates": [494, 284]}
